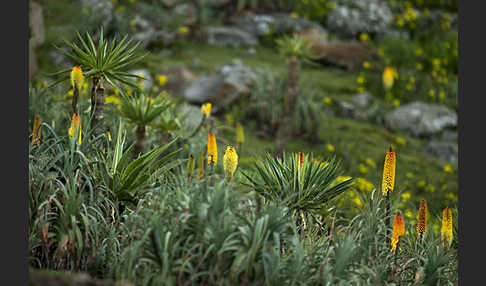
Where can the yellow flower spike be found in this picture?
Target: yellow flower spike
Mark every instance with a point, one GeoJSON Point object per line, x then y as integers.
{"type": "Point", "coordinates": [200, 166]}
{"type": "Point", "coordinates": [108, 134]}
{"type": "Point", "coordinates": [190, 166]}
{"type": "Point", "coordinates": [389, 172]}
{"type": "Point", "coordinates": [230, 162]}
{"type": "Point", "coordinates": [398, 230]}
{"type": "Point", "coordinates": [422, 218]}
{"type": "Point", "coordinates": [388, 77]}
{"type": "Point", "coordinates": [75, 127]}
{"type": "Point", "coordinates": [240, 135]}
{"type": "Point", "coordinates": [77, 77]}
{"type": "Point", "coordinates": [212, 149]}
{"type": "Point", "coordinates": [206, 109]}
{"type": "Point", "coordinates": [36, 131]}
{"type": "Point", "coordinates": [446, 230]}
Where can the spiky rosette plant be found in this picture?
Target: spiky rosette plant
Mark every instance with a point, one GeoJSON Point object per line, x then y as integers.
{"type": "Point", "coordinates": [141, 110]}
{"type": "Point", "coordinates": [103, 61]}
{"type": "Point", "coordinates": [294, 49]}
{"type": "Point", "coordinates": [305, 188]}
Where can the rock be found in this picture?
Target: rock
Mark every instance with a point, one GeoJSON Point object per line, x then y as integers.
{"type": "Point", "coordinates": [60, 60]}
{"type": "Point", "coordinates": [229, 36]}
{"type": "Point", "coordinates": [275, 23]}
{"type": "Point", "coordinates": [349, 18]}
{"type": "Point", "coordinates": [444, 150]}
{"type": "Point", "coordinates": [362, 100]}
{"type": "Point", "coordinates": [342, 54]}
{"type": "Point", "coordinates": [421, 119]}
{"type": "Point", "coordinates": [185, 9]}
{"type": "Point", "coordinates": [203, 88]}
{"type": "Point", "coordinates": [450, 136]}
{"type": "Point", "coordinates": [36, 24]}
{"type": "Point", "coordinates": [144, 32]}
{"type": "Point", "coordinates": [100, 13]}
{"type": "Point", "coordinates": [314, 36]}
{"type": "Point", "coordinates": [178, 79]}
{"type": "Point", "coordinates": [191, 117]}
{"type": "Point", "coordinates": [347, 109]}
{"type": "Point", "coordinates": [230, 82]}
{"type": "Point", "coordinates": [171, 3]}
{"type": "Point", "coordinates": [147, 83]}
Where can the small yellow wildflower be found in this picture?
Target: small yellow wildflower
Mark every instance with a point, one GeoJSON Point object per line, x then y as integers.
{"type": "Point", "coordinates": [396, 102]}
{"type": "Point", "coordinates": [410, 175]}
{"type": "Point", "coordinates": [330, 147]}
{"type": "Point", "coordinates": [447, 168]}
{"type": "Point", "coordinates": [400, 140]}
{"type": "Point", "coordinates": [408, 214]}
{"type": "Point", "coordinates": [418, 52]}
{"type": "Point", "coordinates": [366, 65]}
{"type": "Point", "coordinates": [363, 169]}
{"type": "Point", "coordinates": [430, 188]}
{"type": "Point", "coordinates": [421, 184]}
{"type": "Point", "coordinates": [360, 89]}
{"type": "Point", "coordinates": [432, 93]}
{"type": "Point", "coordinates": [183, 30]}
{"type": "Point", "coordinates": [419, 66]}
{"type": "Point", "coordinates": [357, 201]}
{"type": "Point", "coordinates": [112, 99]}
{"type": "Point", "coordinates": [327, 100]}
{"type": "Point", "coordinates": [364, 37]}
{"type": "Point", "coordinates": [370, 162]}
{"type": "Point", "coordinates": [294, 15]}
{"type": "Point", "coordinates": [441, 95]}
{"type": "Point", "coordinates": [406, 196]}
{"type": "Point", "coordinates": [360, 80]}
{"type": "Point", "coordinates": [162, 79]}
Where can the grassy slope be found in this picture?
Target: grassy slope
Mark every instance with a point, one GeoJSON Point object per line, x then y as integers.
{"type": "Point", "coordinates": [354, 140]}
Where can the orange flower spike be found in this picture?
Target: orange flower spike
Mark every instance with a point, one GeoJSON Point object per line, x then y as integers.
{"type": "Point", "coordinates": [212, 149]}
{"type": "Point", "coordinates": [422, 218]}
{"type": "Point", "coordinates": [389, 172]}
{"type": "Point", "coordinates": [75, 127]}
{"type": "Point", "coordinates": [300, 159]}
{"type": "Point", "coordinates": [446, 230]}
{"type": "Point", "coordinates": [398, 230]}
{"type": "Point", "coordinates": [36, 131]}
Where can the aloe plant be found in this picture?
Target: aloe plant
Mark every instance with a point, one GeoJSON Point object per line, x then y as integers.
{"type": "Point", "coordinates": [307, 187]}
{"type": "Point", "coordinates": [102, 62]}
{"type": "Point", "coordinates": [141, 110]}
